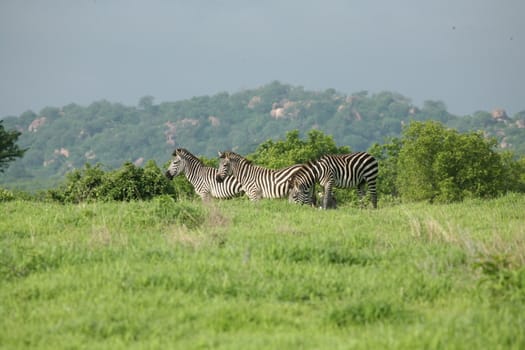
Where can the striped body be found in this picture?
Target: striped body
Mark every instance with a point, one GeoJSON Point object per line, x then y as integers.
{"type": "Point", "coordinates": [257, 182]}
{"type": "Point", "coordinates": [202, 177]}
{"type": "Point", "coordinates": [340, 170]}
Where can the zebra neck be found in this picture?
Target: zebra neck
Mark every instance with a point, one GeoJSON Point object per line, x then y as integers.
{"type": "Point", "coordinates": [240, 169]}
{"type": "Point", "coordinates": [192, 171]}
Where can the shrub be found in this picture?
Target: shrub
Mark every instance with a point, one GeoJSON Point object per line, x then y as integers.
{"type": "Point", "coordinates": [6, 195]}
{"type": "Point", "coordinates": [443, 165]}
{"type": "Point", "coordinates": [125, 184]}
{"type": "Point", "coordinates": [387, 156]}
{"type": "Point", "coordinates": [81, 185]}
{"type": "Point", "coordinates": [293, 150]}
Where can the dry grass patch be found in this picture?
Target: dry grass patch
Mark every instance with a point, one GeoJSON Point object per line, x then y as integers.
{"type": "Point", "coordinates": [102, 236]}
{"type": "Point", "coordinates": [181, 235]}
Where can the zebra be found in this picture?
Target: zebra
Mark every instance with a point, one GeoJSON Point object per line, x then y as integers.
{"type": "Point", "coordinates": [339, 170]}
{"type": "Point", "coordinates": [257, 182]}
{"type": "Point", "coordinates": [202, 177]}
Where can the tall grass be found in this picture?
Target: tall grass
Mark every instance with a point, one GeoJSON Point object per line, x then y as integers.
{"type": "Point", "coordinates": [235, 274]}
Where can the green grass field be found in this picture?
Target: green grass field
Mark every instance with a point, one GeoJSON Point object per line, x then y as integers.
{"type": "Point", "coordinates": [242, 275]}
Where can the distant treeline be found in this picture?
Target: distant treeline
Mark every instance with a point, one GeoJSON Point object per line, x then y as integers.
{"type": "Point", "coordinates": [429, 162]}
{"type": "Point", "coordinates": [61, 139]}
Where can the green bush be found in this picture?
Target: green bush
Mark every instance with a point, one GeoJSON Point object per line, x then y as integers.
{"type": "Point", "coordinates": [443, 165]}
{"type": "Point", "coordinates": [293, 150]}
{"type": "Point", "coordinates": [387, 156]}
{"type": "Point", "coordinates": [124, 184]}
{"type": "Point", "coordinates": [6, 195]}
{"type": "Point", "coordinates": [81, 185]}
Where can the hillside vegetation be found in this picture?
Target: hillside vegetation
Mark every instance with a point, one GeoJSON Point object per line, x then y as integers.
{"type": "Point", "coordinates": [239, 275]}
{"type": "Point", "coordinates": [64, 138]}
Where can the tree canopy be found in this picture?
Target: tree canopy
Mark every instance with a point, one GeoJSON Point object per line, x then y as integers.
{"type": "Point", "coordinates": [294, 150]}
{"type": "Point", "coordinates": [9, 150]}
{"type": "Point", "coordinates": [436, 163]}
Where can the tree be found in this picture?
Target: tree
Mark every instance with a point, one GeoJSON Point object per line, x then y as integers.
{"type": "Point", "coordinates": [146, 103]}
{"type": "Point", "coordinates": [387, 156]}
{"type": "Point", "coordinates": [293, 150]}
{"type": "Point", "coordinates": [421, 142]}
{"type": "Point", "coordinates": [435, 110]}
{"type": "Point", "coordinates": [9, 150]}
{"type": "Point", "coordinates": [443, 165]}
{"type": "Point", "coordinates": [124, 184]}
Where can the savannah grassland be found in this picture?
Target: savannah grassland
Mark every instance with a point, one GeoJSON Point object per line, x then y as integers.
{"type": "Point", "coordinates": [241, 275]}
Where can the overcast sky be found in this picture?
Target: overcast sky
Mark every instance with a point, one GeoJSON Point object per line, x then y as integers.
{"type": "Point", "coordinates": [470, 54]}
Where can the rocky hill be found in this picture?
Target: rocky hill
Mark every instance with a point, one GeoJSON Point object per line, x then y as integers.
{"type": "Point", "coordinates": [62, 138]}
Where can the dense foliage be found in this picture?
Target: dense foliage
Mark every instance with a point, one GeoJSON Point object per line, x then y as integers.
{"type": "Point", "coordinates": [61, 139]}
{"type": "Point", "coordinates": [9, 150]}
{"type": "Point", "coordinates": [433, 163]}
{"type": "Point", "coordinates": [124, 184]}
{"type": "Point", "coordinates": [429, 162]}
{"type": "Point", "coordinates": [6, 195]}
{"type": "Point", "coordinates": [436, 163]}
{"type": "Point", "coordinates": [134, 183]}
{"type": "Point", "coordinates": [293, 150]}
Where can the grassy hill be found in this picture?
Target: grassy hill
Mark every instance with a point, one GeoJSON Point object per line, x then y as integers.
{"type": "Point", "coordinates": [239, 275]}
{"type": "Point", "coordinates": [63, 138]}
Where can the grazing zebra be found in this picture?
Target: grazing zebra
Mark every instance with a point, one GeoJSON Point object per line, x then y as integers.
{"type": "Point", "coordinates": [257, 182]}
{"type": "Point", "coordinates": [340, 170]}
{"type": "Point", "coordinates": [202, 177]}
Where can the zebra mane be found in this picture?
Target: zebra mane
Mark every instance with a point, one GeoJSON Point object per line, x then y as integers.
{"type": "Point", "coordinates": [234, 156]}
{"type": "Point", "coordinates": [184, 153]}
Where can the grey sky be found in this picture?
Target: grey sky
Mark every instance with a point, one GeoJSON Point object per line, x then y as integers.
{"type": "Point", "coordinates": [469, 54]}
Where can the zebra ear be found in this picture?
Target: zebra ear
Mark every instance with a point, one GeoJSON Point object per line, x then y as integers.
{"type": "Point", "coordinates": [221, 154]}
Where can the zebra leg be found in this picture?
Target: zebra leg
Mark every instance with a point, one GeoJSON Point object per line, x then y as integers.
{"type": "Point", "coordinates": [332, 204]}
{"type": "Point", "coordinates": [329, 201]}
{"type": "Point", "coordinates": [373, 197]}
{"type": "Point", "coordinates": [313, 198]}
{"type": "Point", "coordinates": [258, 194]}
{"type": "Point", "coordinates": [328, 196]}
{"type": "Point", "coordinates": [254, 193]}
{"type": "Point", "coordinates": [373, 192]}
{"type": "Point", "coordinates": [361, 193]}
{"type": "Point", "coordinates": [206, 196]}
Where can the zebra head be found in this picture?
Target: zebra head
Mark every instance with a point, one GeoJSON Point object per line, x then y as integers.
{"type": "Point", "coordinates": [225, 168]}
{"type": "Point", "coordinates": [176, 166]}
{"type": "Point", "coordinates": [301, 192]}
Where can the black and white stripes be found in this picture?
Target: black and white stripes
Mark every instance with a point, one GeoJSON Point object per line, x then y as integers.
{"type": "Point", "coordinates": [237, 174]}
{"type": "Point", "coordinates": [339, 170]}
{"type": "Point", "coordinates": [257, 182]}
{"type": "Point", "coordinates": [202, 177]}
